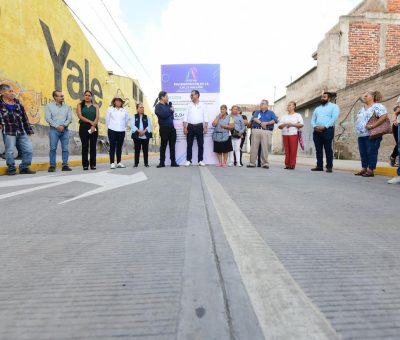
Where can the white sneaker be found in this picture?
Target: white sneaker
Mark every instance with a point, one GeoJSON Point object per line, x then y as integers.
{"type": "Point", "coordinates": [238, 165]}
{"type": "Point", "coordinates": [112, 166]}
{"type": "Point", "coordinates": [230, 164]}
{"type": "Point", "coordinates": [394, 180]}
{"type": "Point", "coordinates": [187, 163]}
{"type": "Point", "coordinates": [201, 163]}
{"type": "Point", "coordinates": [120, 165]}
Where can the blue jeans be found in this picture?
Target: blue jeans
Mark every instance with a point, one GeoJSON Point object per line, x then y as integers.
{"type": "Point", "coordinates": [56, 136]}
{"type": "Point", "coordinates": [323, 140]}
{"type": "Point", "coordinates": [369, 151]}
{"type": "Point", "coordinates": [398, 148]}
{"type": "Point", "coordinates": [23, 142]}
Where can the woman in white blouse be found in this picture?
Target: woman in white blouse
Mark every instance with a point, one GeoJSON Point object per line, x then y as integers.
{"type": "Point", "coordinates": [290, 125]}
{"type": "Point", "coordinates": [116, 120]}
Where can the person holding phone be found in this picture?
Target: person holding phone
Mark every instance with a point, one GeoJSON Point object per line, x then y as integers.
{"type": "Point", "coordinates": [88, 114]}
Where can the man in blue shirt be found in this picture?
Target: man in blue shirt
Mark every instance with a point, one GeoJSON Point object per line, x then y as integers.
{"type": "Point", "coordinates": [165, 113]}
{"type": "Point", "coordinates": [59, 117]}
{"type": "Point", "coordinates": [262, 125]}
{"type": "Point", "coordinates": [323, 122]}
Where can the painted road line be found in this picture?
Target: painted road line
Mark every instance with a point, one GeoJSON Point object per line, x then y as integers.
{"type": "Point", "coordinates": [282, 308]}
{"type": "Point", "coordinates": [105, 180]}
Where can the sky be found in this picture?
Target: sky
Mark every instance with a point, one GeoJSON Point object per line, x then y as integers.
{"type": "Point", "coordinates": [261, 45]}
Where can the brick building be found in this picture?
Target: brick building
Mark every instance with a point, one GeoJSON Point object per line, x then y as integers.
{"type": "Point", "coordinates": [361, 48]}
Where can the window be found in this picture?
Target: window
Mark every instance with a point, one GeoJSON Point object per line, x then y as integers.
{"type": "Point", "coordinates": [135, 91]}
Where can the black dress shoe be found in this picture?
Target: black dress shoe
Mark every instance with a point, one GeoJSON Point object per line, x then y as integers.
{"type": "Point", "coordinates": [52, 169]}
{"type": "Point", "coordinates": [11, 173]}
{"type": "Point", "coordinates": [27, 171]}
{"type": "Point", "coordinates": [93, 167]}
{"type": "Point", "coordinates": [136, 165]}
{"type": "Point", "coordinates": [328, 169]}
{"type": "Point", "coordinates": [317, 169]}
{"type": "Point", "coordinates": [161, 165]}
{"type": "Point", "coordinates": [66, 168]}
{"type": "Point", "coordinates": [85, 168]}
{"type": "Point", "coordinates": [147, 166]}
{"type": "Point", "coordinates": [175, 165]}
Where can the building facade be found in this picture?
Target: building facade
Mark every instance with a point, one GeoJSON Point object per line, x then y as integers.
{"type": "Point", "coordinates": [363, 44]}
{"type": "Point", "coordinates": [46, 50]}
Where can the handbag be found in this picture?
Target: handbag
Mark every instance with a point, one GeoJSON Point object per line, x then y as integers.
{"type": "Point", "coordinates": [236, 134]}
{"type": "Point", "coordinates": [301, 140]}
{"type": "Point", "coordinates": [379, 131]}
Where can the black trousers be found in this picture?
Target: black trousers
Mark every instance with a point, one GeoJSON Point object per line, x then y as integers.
{"type": "Point", "coordinates": [395, 152]}
{"type": "Point", "coordinates": [144, 145]}
{"type": "Point", "coordinates": [88, 140]}
{"type": "Point", "coordinates": [195, 131]}
{"type": "Point", "coordinates": [168, 136]}
{"type": "Point", "coordinates": [116, 139]}
{"type": "Point", "coordinates": [323, 140]}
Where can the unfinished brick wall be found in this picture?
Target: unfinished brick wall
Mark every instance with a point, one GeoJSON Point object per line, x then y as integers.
{"type": "Point", "coordinates": [393, 6]}
{"type": "Point", "coordinates": [392, 46]}
{"type": "Point", "coordinates": [363, 62]}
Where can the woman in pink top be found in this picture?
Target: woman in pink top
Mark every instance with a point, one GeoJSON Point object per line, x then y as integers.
{"type": "Point", "coordinates": [290, 125]}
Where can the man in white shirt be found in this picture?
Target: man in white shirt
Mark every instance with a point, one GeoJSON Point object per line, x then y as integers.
{"type": "Point", "coordinates": [195, 125]}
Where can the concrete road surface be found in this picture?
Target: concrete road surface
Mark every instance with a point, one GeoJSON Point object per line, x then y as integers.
{"type": "Point", "coordinates": [199, 253]}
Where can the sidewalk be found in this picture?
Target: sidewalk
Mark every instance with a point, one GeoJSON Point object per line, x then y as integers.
{"type": "Point", "coordinates": [383, 169]}
{"type": "Point", "coordinates": [42, 163]}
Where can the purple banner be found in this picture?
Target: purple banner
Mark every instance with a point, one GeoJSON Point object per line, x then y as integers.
{"type": "Point", "coordinates": [188, 77]}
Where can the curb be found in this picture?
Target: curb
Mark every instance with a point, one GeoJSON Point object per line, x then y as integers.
{"type": "Point", "coordinates": [74, 162]}
{"type": "Point", "coordinates": [380, 170]}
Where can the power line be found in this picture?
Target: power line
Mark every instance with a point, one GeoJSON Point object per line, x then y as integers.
{"type": "Point", "coordinates": [127, 42]}
{"type": "Point", "coordinates": [91, 33]}
{"type": "Point", "coordinates": [111, 35]}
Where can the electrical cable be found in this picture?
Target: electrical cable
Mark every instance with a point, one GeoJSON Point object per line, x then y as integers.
{"type": "Point", "coordinates": [91, 33]}
{"type": "Point", "coordinates": [127, 42]}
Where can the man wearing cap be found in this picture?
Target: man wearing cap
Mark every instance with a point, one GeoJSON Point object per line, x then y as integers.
{"type": "Point", "coordinates": [16, 130]}
{"type": "Point", "coordinates": [116, 121]}
{"type": "Point", "coordinates": [59, 116]}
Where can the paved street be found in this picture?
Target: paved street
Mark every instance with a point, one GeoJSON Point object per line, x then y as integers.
{"type": "Point", "coordinates": [199, 253]}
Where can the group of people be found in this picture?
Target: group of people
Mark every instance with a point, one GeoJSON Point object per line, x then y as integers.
{"type": "Point", "coordinates": [16, 130]}
{"type": "Point", "coordinates": [230, 132]}
{"type": "Point", "coordinates": [228, 135]}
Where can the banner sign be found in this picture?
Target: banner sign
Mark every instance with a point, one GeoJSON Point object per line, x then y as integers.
{"type": "Point", "coordinates": [179, 81]}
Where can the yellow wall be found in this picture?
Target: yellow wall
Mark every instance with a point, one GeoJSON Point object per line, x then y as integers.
{"type": "Point", "coordinates": [26, 63]}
